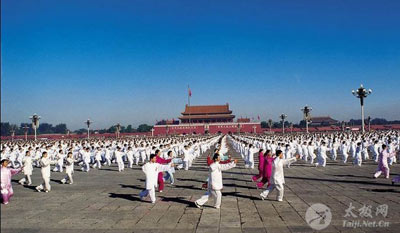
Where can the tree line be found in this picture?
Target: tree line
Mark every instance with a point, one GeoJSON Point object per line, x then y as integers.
{"type": "Point", "coordinates": [302, 123]}
{"type": "Point", "coordinates": [46, 128]}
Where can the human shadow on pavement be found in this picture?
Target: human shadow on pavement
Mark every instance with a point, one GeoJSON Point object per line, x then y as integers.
{"type": "Point", "coordinates": [236, 194]}
{"type": "Point", "coordinates": [239, 186]}
{"type": "Point", "coordinates": [383, 190]}
{"type": "Point", "coordinates": [338, 181]}
{"type": "Point", "coordinates": [193, 180]}
{"type": "Point", "coordinates": [57, 181]}
{"type": "Point", "coordinates": [129, 197]}
{"type": "Point", "coordinates": [178, 200]}
{"type": "Point", "coordinates": [187, 187]}
{"type": "Point", "coordinates": [131, 186]}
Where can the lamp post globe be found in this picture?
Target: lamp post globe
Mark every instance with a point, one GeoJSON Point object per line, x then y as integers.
{"type": "Point", "coordinates": [35, 123]}
{"type": "Point", "coordinates": [283, 117]}
{"type": "Point", "coordinates": [88, 122]}
{"type": "Point", "coordinates": [362, 93]}
{"type": "Point", "coordinates": [118, 129]}
{"type": "Point", "coordinates": [306, 115]}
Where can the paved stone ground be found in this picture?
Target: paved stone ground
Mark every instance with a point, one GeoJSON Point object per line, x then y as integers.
{"type": "Point", "coordinates": [107, 201]}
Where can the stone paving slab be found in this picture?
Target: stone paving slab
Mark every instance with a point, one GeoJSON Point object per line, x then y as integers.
{"type": "Point", "coordinates": [108, 201]}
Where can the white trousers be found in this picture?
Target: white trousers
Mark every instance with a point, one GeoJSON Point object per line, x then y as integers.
{"type": "Point", "coordinates": [26, 178]}
{"type": "Point", "coordinates": [279, 188]}
{"type": "Point", "coordinates": [45, 185]}
{"type": "Point", "coordinates": [147, 192]}
{"type": "Point", "coordinates": [137, 160]}
{"type": "Point", "coordinates": [120, 165]}
{"type": "Point", "coordinates": [130, 161]}
{"type": "Point", "coordinates": [68, 177]}
{"type": "Point", "coordinates": [215, 193]}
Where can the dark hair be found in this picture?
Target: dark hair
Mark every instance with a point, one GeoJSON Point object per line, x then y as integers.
{"type": "Point", "coordinates": [169, 152]}
{"type": "Point", "coordinates": [260, 150]}
{"type": "Point", "coordinates": [157, 151]}
{"type": "Point", "coordinates": [152, 156]}
{"type": "Point", "coordinates": [216, 155]}
{"type": "Point", "coordinates": [3, 161]}
{"type": "Point", "coordinates": [383, 146]}
{"type": "Point", "coordinates": [278, 152]}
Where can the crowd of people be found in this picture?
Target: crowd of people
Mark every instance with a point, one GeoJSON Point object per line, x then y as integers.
{"type": "Point", "coordinates": [161, 155]}
{"type": "Point", "coordinates": [23, 156]}
{"type": "Point", "coordinates": [274, 151]}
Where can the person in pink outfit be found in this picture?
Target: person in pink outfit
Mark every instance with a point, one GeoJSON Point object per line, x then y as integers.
{"type": "Point", "coordinates": [268, 161]}
{"type": "Point", "coordinates": [6, 174]}
{"type": "Point", "coordinates": [260, 166]}
{"type": "Point", "coordinates": [383, 165]}
{"type": "Point", "coordinates": [161, 174]}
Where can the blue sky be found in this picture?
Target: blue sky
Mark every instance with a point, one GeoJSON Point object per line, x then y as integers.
{"type": "Point", "coordinates": [131, 61]}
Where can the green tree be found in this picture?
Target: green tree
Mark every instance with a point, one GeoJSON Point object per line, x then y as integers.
{"type": "Point", "coordinates": [60, 128]}
{"type": "Point", "coordinates": [5, 128]}
{"type": "Point", "coordinates": [264, 124]}
{"type": "Point", "coordinates": [144, 128]}
{"type": "Point", "coordinates": [129, 129]}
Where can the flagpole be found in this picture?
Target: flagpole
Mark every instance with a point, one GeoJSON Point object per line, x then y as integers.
{"type": "Point", "coordinates": [190, 121]}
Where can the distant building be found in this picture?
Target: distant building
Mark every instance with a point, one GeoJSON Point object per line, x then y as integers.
{"type": "Point", "coordinates": [168, 122]}
{"type": "Point", "coordinates": [323, 121]}
{"type": "Point", "coordinates": [207, 114]}
{"type": "Point", "coordinates": [207, 119]}
{"type": "Point", "coordinates": [243, 120]}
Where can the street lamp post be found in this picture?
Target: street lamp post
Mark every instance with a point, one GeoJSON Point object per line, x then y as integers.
{"type": "Point", "coordinates": [118, 129]}
{"type": "Point", "coordinates": [255, 129]}
{"type": "Point", "coordinates": [291, 127]}
{"type": "Point", "coordinates": [369, 123]}
{"type": "Point", "coordinates": [283, 117]}
{"type": "Point", "coordinates": [88, 122]}
{"type": "Point", "coordinates": [307, 116]}
{"type": "Point", "coordinates": [26, 132]}
{"type": "Point", "coordinates": [152, 132]}
{"type": "Point", "coordinates": [12, 130]}
{"type": "Point", "coordinates": [362, 93]}
{"type": "Point", "coordinates": [270, 124]}
{"type": "Point", "coordinates": [343, 125]}
{"type": "Point", "coordinates": [35, 122]}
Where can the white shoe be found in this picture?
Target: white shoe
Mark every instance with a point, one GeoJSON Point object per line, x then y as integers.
{"type": "Point", "coordinates": [280, 200]}
{"type": "Point", "coordinates": [262, 196]}
{"type": "Point", "coordinates": [197, 204]}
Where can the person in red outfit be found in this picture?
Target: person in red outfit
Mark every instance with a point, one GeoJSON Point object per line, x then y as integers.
{"type": "Point", "coordinates": [260, 166]}
{"type": "Point", "coordinates": [268, 162]}
{"type": "Point", "coordinates": [160, 160]}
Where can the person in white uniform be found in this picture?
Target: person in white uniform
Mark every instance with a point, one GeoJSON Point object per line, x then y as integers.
{"type": "Point", "coordinates": [215, 182]}
{"type": "Point", "coordinates": [151, 170]}
{"type": "Point", "coordinates": [277, 175]}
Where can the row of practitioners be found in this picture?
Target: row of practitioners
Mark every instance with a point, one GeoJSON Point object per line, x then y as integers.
{"type": "Point", "coordinates": [315, 150]}
{"type": "Point", "coordinates": [45, 162]}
